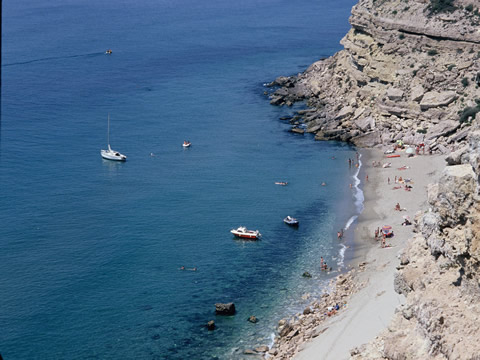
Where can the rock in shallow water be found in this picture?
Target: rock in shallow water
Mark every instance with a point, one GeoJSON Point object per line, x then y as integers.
{"type": "Point", "coordinates": [225, 309]}
{"type": "Point", "coordinates": [211, 325]}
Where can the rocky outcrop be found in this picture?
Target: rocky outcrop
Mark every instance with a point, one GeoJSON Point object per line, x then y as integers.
{"type": "Point", "coordinates": [225, 309]}
{"type": "Point", "coordinates": [439, 272]}
{"type": "Point", "coordinates": [405, 73]}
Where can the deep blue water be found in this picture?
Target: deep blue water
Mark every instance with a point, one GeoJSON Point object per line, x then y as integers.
{"type": "Point", "coordinates": [90, 250]}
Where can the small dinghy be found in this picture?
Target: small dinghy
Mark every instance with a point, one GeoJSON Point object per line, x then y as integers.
{"type": "Point", "coordinates": [282, 183]}
{"type": "Point", "coordinates": [290, 221]}
{"type": "Point", "coordinates": [186, 144]}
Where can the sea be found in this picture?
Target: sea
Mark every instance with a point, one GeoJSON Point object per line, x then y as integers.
{"type": "Point", "coordinates": [91, 250]}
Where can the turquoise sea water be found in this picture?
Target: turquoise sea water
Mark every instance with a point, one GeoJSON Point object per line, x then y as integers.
{"type": "Point", "coordinates": [90, 250]}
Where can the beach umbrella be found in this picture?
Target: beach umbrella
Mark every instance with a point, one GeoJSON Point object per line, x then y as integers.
{"type": "Point", "coordinates": [410, 150]}
{"type": "Point", "coordinates": [387, 229]}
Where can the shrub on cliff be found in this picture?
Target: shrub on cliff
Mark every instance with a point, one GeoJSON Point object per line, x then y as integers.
{"type": "Point", "coordinates": [469, 112]}
{"type": "Point", "coordinates": [438, 6]}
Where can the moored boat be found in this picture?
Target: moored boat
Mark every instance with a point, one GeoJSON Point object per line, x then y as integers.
{"type": "Point", "coordinates": [243, 232]}
{"type": "Point", "coordinates": [283, 183]}
{"type": "Point", "coordinates": [110, 154]}
{"type": "Point", "coordinates": [290, 221]}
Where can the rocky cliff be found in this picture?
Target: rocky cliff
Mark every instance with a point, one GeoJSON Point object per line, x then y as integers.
{"type": "Point", "coordinates": [439, 272]}
{"type": "Point", "coordinates": [409, 70]}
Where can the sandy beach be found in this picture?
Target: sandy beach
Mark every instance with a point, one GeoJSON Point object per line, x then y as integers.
{"type": "Point", "coordinates": [370, 309]}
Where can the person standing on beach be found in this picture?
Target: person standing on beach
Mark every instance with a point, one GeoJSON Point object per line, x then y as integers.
{"type": "Point", "coordinates": [389, 181]}
{"type": "Point", "coordinates": [366, 178]}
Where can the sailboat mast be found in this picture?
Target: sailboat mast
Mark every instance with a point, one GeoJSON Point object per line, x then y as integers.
{"type": "Point", "coordinates": [108, 131]}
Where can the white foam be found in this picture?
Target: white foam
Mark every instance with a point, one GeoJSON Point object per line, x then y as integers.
{"type": "Point", "coordinates": [341, 256]}
{"type": "Point", "coordinates": [350, 221]}
{"type": "Point", "coordinates": [358, 201]}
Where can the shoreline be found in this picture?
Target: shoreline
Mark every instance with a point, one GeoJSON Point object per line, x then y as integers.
{"type": "Point", "coordinates": [365, 287]}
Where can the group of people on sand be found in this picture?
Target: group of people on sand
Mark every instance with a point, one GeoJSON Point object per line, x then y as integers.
{"type": "Point", "coordinates": [332, 310]}
{"type": "Point", "coordinates": [382, 236]}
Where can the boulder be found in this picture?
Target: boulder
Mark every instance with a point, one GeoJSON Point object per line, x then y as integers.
{"type": "Point", "coordinates": [368, 140]}
{"type": "Point", "coordinates": [253, 319]}
{"type": "Point", "coordinates": [345, 112]}
{"type": "Point", "coordinates": [455, 158]}
{"type": "Point", "coordinates": [285, 329]}
{"type": "Point", "coordinates": [365, 123]}
{"type": "Point", "coordinates": [417, 93]}
{"type": "Point", "coordinates": [435, 99]}
{"type": "Point", "coordinates": [444, 128]}
{"type": "Point", "coordinates": [307, 274]}
{"type": "Point", "coordinates": [262, 349]}
{"type": "Point", "coordinates": [276, 100]}
{"type": "Point", "coordinates": [297, 130]}
{"type": "Point", "coordinates": [211, 325]}
{"type": "Point", "coordinates": [283, 81]}
{"type": "Point", "coordinates": [225, 309]}
{"type": "Point", "coordinates": [394, 94]}
{"type": "Point", "coordinates": [416, 139]}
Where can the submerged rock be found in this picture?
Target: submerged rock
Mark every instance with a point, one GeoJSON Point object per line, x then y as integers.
{"type": "Point", "coordinates": [225, 309]}
{"type": "Point", "coordinates": [211, 325]}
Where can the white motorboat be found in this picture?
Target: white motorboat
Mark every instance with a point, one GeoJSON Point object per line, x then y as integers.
{"type": "Point", "coordinates": [243, 232]}
{"type": "Point", "coordinates": [186, 144]}
{"type": "Point", "coordinates": [111, 154]}
{"type": "Point", "coordinates": [290, 221]}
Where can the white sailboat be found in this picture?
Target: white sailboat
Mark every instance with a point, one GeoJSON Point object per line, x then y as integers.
{"type": "Point", "coordinates": [111, 154]}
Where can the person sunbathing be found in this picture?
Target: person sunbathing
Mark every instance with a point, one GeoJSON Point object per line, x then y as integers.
{"type": "Point", "coordinates": [397, 207]}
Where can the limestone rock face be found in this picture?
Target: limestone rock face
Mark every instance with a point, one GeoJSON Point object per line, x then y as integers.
{"type": "Point", "coordinates": [407, 69]}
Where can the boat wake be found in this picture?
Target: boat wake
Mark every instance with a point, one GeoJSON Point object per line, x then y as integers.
{"type": "Point", "coordinates": [53, 58]}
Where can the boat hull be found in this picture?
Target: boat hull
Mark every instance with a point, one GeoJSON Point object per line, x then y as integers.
{"type": "Point", "coordinates": [243, 233]}
{"type": "Point", "coordinates": [244, 236]}
{"type": "Point", "coordinates": [113, 155]}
